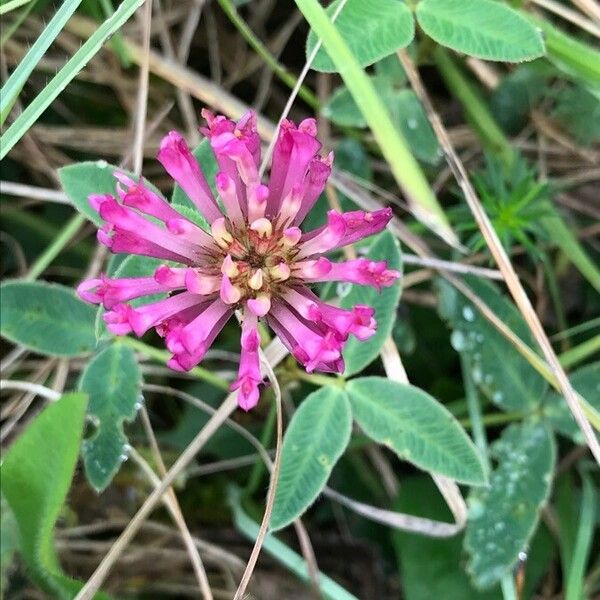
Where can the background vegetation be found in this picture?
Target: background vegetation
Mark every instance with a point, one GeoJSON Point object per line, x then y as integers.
{"type": "Point", "coordinates": [478, 122]}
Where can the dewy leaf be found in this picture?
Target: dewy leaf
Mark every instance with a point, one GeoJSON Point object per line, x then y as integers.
{"type": "Point", "coordinates": [79, 180]}
{"type": "Point", "coordinates": [501, 373]}
{"type": "Point", "coordinates": [132, 266]}
{"type": "Point", "coordinates": [415, 426]}
{"type": "Point", "coordinates": [431, 567]}
{"type": "Point", "coordinates": [503, 516]}
{"type": "Point", "coordinates": [46, 318]}
{"type": "Point", "coordinates": [113, 382]}
{"type": "Point", "coordinates": [482, 28]}
{"type": "Point", "coordinates": [314, 441]}
{"type": "Point", "coordinates": [371, 28]}
{"type": "Point", "coordinates": [586, 382]}
{"type": "Point", "coordinates": [36, 476]}
{"type": "Point", "coordinates": [358, 354]}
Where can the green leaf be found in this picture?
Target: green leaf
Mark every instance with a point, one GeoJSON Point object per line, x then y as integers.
{"type": "Point", "coordinates": [371, 28]}
{"type": "Point", "coordinates": [79, 180]}
{"type": "Point", "coordinates": [394, 147]}
{"type": "Point", "coordinates": [209, 166]}
{"type": "Point", "coordinates": [314, 441]}
{"type": "Point", "coordinates": [578, 111]}
{"type": "Point", "coordinates": [405, 109]}
{"type": "Point", "coordinates": [36, 476]}
{"type": "Point", "coordinates": [431, 567]}
{"type": "Point", "coordinates": [113, 382]}
{"type": "Point", "coordinates": [30, 115]}
{"type": "Point", "coordinates": [46, 318]}
{"type": "Point", "coordinates": [358, 354]}
{"type": "Point", "coordinates": [409, 114]}
{"type": "Point", "coordinates": [481, 28]}
{"type": "Point", "coordinates": [132, 266]}
{"type": "Point", "coordinates": [501, 373]}
{"type": "Point", "coordinates": [586, 382]}
{"type": "Point", "coordinates": [503, 516]}
{"type": "Point", "coordinates": [416, 427]}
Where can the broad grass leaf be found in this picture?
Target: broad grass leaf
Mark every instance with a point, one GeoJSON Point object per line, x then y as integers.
{"type": "Point", "coordinates": [46, 318]}
{"type": "Point", "coordinates": [498, 369]}
{"type": "Point", "coordinates": [586, 382]}
{"type": "Point", "coordinates": [372, 29]}
{"type": "Point", "coordinates": [358, 354]}
{"type": "Point", "coordinates": [113, 382]}
{"type": "Point", "coordinates": [503, 516]}
{"type": "Point", "coordinates": [482, 28]}
{"type": "Point", "coordinates": [36, 476]}
{"type": "Point", "coordinates": [416, 427]}
{"type": "Point", "coordinates": [314, 441]}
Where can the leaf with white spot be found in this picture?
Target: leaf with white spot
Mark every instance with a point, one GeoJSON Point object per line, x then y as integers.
{"type": "Point", "coordinates": [314, 441]}
{"type": "Point", "coordinates": [498, 369]}
{"type": "Point", "coordinates": [113, 383]}
{"type": "Point", "coordinates": [503, 516]}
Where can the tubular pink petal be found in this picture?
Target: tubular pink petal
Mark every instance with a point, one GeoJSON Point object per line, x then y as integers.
{"type": "Point", "coordinates": [319, 171]}
{"type": "Point", "coordinates": [194, 334]}
{"type": "Point", "coordinates": [260, 305]}
{"type": "Point", "coordinates": [313, 270]}
{"type": "Point", "coordinates": [144, 317]}
{"type": "Point", "coordinates": [229, 196]}
{"type": "Point", "coordinates": [360, 224]}
{"type": "Point", "coordinates": [180, 164]}
{"type": "Point", "coordinates": [293, 151]}
{"type": "Point", "coordinates": [361, 271]}
{"type": "Point", "coordinates": [89, 290]}
{"type": "Point", "coordinates": [324, 239]}
{"type": "Point", "coordinates": [249, 376]}
{"type": "Point", "coordinates": [137, 195]}
{"type": "Point", "coordinates": [117, 319]}
{"type": "Point", "coordinates": [200, 283]}
{"type": "Point", "coordinates": [229, 293]}
{"type": "Point", "coordinates": [257, 201]}
{"type": "Point", "coordinates": [170, 276]}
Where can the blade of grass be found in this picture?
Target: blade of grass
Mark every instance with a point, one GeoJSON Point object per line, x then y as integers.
{"type": "Point", "coordinates": [12, 88]}
{"type": "Point", "coordinates": [8, 31]}
{"type": "Point", "coordinates": [282, 553]}
{"type": "Point", "coordinates": [394, 147]}
{"type": "Point", "coordinates": [583, 541]}
{"type": "Point", "coordinates": [579, 353]}
{"type": "Point", "coordinates": [8, 6]}
{"type": "Point", "coordinates": [58, 83]}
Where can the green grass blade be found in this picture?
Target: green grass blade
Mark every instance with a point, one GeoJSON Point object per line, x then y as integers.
{"type": "Point", "coordinates": [394, 147]}
{"type": "Point", "coordinates": [8, 6]}
{"type": "Point", "coordinates": [30, 115]}
{"type": "Point", "coordinates": [12, 88]}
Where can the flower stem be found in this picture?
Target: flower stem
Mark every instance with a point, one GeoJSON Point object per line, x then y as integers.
{"type": "Point", "coordinates": [319, 380]}
{"type": "Point", "coordinates": [163, 356]}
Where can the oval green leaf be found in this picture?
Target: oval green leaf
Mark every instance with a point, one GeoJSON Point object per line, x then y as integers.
{"type": "Point", "coordinates": [113, 383]}
{"type": "Point", "coordinates": [358, 354]}
{"type": "Point", "coordinates": [416, 427]}
{"type": "Point", "coordinates": [314, 441]}
{"type": "Point", "coordinates": [46, 318]}
{"type": "Point", "coordinates": [482, 28]}
{"type": "Point", "coordinates": [498, 369]}
{"type": "Point", "coordinates": [371, 28]}
{"type": "Point", "coordinates": [503, 516]}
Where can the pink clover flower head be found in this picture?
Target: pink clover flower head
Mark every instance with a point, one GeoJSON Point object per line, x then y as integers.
{"type": "Point", "coordinates": [255, 259]}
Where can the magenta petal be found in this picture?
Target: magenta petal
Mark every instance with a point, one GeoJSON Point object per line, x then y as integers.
{"type": "Point", "coordinates": [180, 164]}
